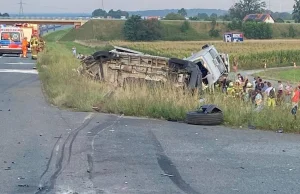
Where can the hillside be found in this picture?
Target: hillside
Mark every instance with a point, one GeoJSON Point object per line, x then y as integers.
{"type": "Point", "coordinates": [112, 30]}
{"type": "Point", "coordinates": [190, 12]}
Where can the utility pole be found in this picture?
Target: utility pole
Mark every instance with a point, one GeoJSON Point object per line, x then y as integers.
{"type": "Point", "coordinates": [21, 8]}
{"type": "Point", "coordinates": [102, 5]}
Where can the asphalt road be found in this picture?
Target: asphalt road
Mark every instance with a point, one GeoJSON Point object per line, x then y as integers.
{"type": "Point", "coordinates": [47, 150]}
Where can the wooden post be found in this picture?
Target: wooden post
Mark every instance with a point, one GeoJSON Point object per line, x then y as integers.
{"type": "Point", "coordinates": [265, 66]}
{"type": "Point", "coordinates": [295, 65]}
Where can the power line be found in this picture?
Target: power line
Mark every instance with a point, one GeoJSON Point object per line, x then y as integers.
{"type": "Point", "coordinates": [21, 11]}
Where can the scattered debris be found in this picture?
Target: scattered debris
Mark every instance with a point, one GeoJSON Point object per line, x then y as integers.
{"type": "Point", "coordinates": [279, 131]}
{"type": "Point", "coordinates": [8, 168]}
{"type": "Point", "coordinates": [169, 175]}
{"type": "Point", "coordinates": [251, 127]}
{"type": "Point", "coordinates": [23, 185]}
{"type": "Point", "coordinates": [20, 178]}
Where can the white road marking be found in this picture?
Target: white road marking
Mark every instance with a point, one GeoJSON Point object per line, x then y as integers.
{"type": "Point", "coordinates": [20, 63]}
{"type": "Point", "coordinates": [18, 71]}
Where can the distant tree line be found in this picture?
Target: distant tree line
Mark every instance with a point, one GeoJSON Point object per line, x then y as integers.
{"type": "Point", "coordinates": [4, 15]}
{"type": "Point", "coordinates": [111, 13]}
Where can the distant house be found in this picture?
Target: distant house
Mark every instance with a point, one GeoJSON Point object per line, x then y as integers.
{"type": "Point", "coordinates": [267, 18]}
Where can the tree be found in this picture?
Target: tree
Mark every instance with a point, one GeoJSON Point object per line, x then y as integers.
{"type": "Point", "coordinates": [245, 7]}
{"type": "Point", "coordinates": [182, 12]}
{"type": "Point", "coordinates": [4, 15]}
{"type": "Point", "coordinates": [136, 29]}
{"type": "Point", "coordinates": [203, 16]}
{"type": "Point", "coordinates": [99, 13]}
{"type": "Point", "coordinates": [214, 16]}
{"type": "Point", "coordinates": [257, 30]}
{"type": "Point", "coordinates": [213, 32]}
{"type": "Point", "coordinates": [292, 32]}
{"type": "Point", "coordinates": [279, 20]}
{"type": "Point", "coordinates": [117, 14]}
{"type": "Point", "coordinates": [174, 16]}
{"type": "Point", "coordinates": [296, 11]}
{"type": "Point", "coordinates": [185, 26]}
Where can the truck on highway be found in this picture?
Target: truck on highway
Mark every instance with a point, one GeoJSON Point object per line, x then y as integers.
{"type": "Point", "coordinates": [11, 40]}
{"type": "Point", "coordinates": [29, 29]}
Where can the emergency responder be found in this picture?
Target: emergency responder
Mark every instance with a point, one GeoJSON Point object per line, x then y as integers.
{"type": "Point", "coordinates": [24, 47]}
{"type": "Point", "coordinates": [41, 44]}
{"type": "Point", "coordinates": [34, 47]}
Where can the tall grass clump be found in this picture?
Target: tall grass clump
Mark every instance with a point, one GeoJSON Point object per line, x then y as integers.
{"type": "Point", "coordinates": [66, 88]}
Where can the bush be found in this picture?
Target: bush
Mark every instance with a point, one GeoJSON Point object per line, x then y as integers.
{"type": "Point", "coordinates": [136, 29]}
{"type": "Point", "coordinates": [292, 32]}
{"type": "Point", "coordinates": [185, 26]}
{"type": "Point", "coordinates": [257, 30]}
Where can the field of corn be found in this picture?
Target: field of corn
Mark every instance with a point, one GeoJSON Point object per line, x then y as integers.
{"type": "Point", "coordinates": [250, 54]}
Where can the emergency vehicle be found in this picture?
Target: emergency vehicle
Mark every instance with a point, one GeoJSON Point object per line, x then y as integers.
{"type": "Point", "coordinates": [29, 30]}
{"type": "Point", "coordinates": [11, 40]}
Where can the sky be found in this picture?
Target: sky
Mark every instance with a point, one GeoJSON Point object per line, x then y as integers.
{"type": "Point", "coordinates": [87, 6]}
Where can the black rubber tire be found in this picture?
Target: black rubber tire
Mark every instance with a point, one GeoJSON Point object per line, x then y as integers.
{"type": "Point", "coordinates": [1, 54]}
{"type": "Point", "coordinates": [102, 54]}
{"type": "Point", "coordinates": [200, 118]}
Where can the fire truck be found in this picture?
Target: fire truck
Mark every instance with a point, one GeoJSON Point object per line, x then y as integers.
{"type": "Point", "coordinates": [11, 40]}
{"type": "Point", "coordinates": [29, 30]}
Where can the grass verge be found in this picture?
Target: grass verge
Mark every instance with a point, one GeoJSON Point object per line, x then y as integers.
{"type": "Point", "coordinates": [286, 75]}
{"type": "Point", "coordinates": [65, 88]}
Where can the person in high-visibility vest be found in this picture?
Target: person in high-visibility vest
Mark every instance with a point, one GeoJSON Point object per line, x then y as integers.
{"type": "Point", "coordinates": [41, 44]}
{"type": "Point", "coordinates": [34, 47]}
{"type": "Point", "coordinates": [24, 47]}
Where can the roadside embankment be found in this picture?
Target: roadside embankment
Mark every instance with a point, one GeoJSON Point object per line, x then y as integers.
{"type": "Point", "coordinates": [64, 87]}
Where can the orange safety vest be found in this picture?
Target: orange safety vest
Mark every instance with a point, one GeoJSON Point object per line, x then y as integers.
{"type": "Point", "coordinates": [24, 44]}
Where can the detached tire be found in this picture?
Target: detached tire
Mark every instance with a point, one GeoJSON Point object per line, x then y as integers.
{"type": "Point", "coordinates": [201, 118]}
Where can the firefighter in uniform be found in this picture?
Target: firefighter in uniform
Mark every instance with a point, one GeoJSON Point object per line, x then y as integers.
{"type": "Point", "coordinates": [34, 47]}
{"type": "Point", "coordinates": [41, 44]}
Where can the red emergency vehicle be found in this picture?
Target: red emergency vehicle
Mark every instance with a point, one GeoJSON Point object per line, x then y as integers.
{"type": "Point", "coordinates": [11, 40]}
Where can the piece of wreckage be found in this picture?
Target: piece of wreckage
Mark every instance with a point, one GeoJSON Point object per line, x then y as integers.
{"type": "Point", "coordinates": [121, 64]}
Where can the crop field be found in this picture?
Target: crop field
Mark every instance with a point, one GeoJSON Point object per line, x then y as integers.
{"type": "Point", "coordinates": [251, 54]}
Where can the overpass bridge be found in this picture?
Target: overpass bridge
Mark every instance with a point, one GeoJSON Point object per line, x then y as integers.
{"type": "Point", "coordinates": [77, 21]}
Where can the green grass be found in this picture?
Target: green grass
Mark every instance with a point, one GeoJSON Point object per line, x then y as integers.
{"type": "Point", "coordinates": [287, 75]}
{"type": "Point", "coordinates": [112, 30]}
{"type": "Point", "coordinates": [56, 35]}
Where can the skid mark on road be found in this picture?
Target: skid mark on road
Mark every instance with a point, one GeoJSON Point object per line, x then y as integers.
{"type": "Point", "coordinates": [169, 168]}
{"type": "Point", "coordinates": [49, 185]}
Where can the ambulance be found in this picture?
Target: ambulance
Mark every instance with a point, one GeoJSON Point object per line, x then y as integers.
{"type": "Point", "coordinates": [11, 40]}
{"type": "Point", "coordinates": [29, 29]}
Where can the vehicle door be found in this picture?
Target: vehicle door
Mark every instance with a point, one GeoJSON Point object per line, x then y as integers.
{"type": "Point", "coordinates": [218, 62]}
